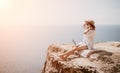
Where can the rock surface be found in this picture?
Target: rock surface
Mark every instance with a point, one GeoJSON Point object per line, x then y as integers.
{"type": "Point", "coordinates": [105, 61]}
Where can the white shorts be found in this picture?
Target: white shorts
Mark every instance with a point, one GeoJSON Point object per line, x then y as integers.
{"type": "Point", "coordinates": [84, 53]}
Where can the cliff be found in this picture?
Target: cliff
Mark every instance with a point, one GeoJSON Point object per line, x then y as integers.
{"type": "Point", "coordinates": [105, 61]}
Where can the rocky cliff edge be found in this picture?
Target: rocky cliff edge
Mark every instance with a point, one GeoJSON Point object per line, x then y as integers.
{"type": "Point", "coordinates": [106, 61]}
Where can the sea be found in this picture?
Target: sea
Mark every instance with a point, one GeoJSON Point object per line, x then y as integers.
{"type": "Point", "coordinates": [23, 48]}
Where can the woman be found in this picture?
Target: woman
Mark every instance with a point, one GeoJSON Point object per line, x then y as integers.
{"type": "Point", "coordinates": [86, 45]}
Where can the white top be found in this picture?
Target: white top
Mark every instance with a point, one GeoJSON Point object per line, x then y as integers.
{"type": "Point", "coordinates": [89, 41]}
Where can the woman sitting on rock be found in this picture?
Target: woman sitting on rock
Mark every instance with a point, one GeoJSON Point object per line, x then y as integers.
{"type": "Point", "coordinates": [86, 46]}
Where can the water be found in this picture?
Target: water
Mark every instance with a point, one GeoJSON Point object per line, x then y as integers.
{"type": "Point", "coordinates": [23, 48]}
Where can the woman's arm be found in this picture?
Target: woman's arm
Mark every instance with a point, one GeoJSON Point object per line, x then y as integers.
{"type": "Point", "coordinates": [86, 31]}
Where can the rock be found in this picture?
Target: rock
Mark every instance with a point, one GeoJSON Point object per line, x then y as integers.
{"type": "Point", "coordinates": [106, 60]}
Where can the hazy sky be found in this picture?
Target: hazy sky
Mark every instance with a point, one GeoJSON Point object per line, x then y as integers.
{"type": "Point", "coordinates": [65, 12]}
{"type": "Point", "coordinates": [22, 43]}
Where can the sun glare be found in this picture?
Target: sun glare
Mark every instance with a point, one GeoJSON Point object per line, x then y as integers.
{"type": "Point", "coordinates": [4, 5]}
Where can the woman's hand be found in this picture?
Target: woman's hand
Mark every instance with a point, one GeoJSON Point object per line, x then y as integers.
{"type": "Point", "coordinates": [87, 30]}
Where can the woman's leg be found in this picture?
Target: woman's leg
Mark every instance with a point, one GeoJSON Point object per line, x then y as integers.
{"type": "Point", "coordinates": [69, 52]}
{"type": "Point", "coordinates": [66, 54]}
{"type": "Point", "coordinates": [90, 53]}
{"type": "Point", "coordinates": [93, 51]}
